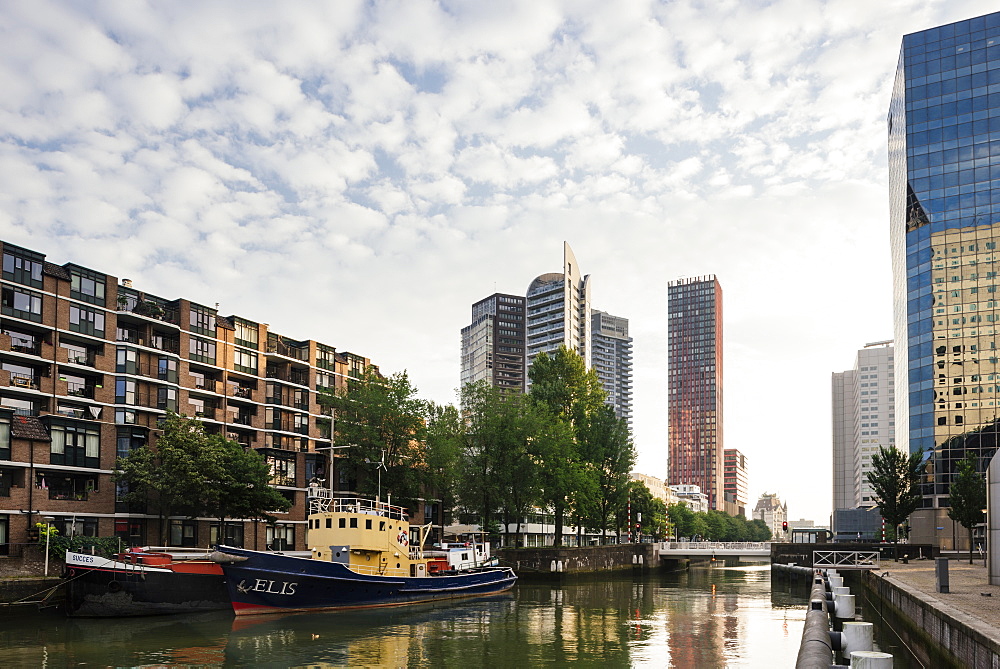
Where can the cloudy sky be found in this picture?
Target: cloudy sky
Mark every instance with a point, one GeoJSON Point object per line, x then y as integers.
{"type": "Point", "coordinates": [361, 172]}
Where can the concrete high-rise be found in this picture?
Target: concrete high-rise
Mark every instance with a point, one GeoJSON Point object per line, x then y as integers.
{"type": "Point", "coordinates": [493, 344]}
{"type": "Point", "coordinates": [863, 421]}
{"type": "Point", "coordinates": [944, 170]}
{"type": "Point", "coordinates": [612, 360]}
{"type": "Point", "coordinates": [735, 483]}
{"type": "Point", "coordinates": [694, 378]}
{"type": "Point", "coordinates": [558, 311]}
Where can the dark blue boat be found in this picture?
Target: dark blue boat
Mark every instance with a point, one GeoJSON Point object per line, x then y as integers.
{"type": "Point", "coordinates": [362, 557]}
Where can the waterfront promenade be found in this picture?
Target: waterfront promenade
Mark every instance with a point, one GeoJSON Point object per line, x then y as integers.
{"type": "Point", "coordinates": [971, 601]}
{"type": "Point", "coordinates": [967, 585]}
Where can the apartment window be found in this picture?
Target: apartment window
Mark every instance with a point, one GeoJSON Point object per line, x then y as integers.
{"type": "Point", "coordinates": [128, 440]}
{"type": "Point", "coordinates": [325, 357]}
{"type": "Point", "coordinates": [126, 361]}
{"type": "Point", "coordinates": [22, 303]}
{"type": "Point", "coordinates": [202, 350]}
{"type": "Point", "coordinates": [4, 438]}
{"type": "Point", "coordinates": [75, 444]}
{"type": "Point", "coordinates": [280, 537]}
{"type": "Point", "coordinates": [166, 398]}
{"type": "Point", "coordinates": [125, 391]}
{"type": "Point", "coordinates": [232, 535]}
{"type": "Point", "coordinates": [246, 333]}
{"type": "Point", "coordinates": [166, 369]}
{"type": "Point", "coordinates": [87, 321]}
{"type": "Point", "coordinates": [202, 320]}
{"type": "Point", "coordinates": [87, 286]}
{"type": "Point", "coordinates": [245, 361]}
{"type": "Point", "coordinates": [23, 267]}
{"type": "Point", "coordinates": [184, 533]}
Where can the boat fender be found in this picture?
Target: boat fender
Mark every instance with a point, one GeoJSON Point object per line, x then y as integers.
{"type": "Point", "coordinates": [225, 558]}
{"type": "Point", "coordinates": [114, 586]}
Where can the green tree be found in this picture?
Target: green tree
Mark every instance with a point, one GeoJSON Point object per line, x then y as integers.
{"type": "Point", "coordinates": [968, 495]}
{"type": "Point", "coordinates": [239, 483]}
{"type": "Point", "coordinates": [649, 514]}
{"type": "Point", "coordinates": [570, 395]}
{"type": "Point", "coordinates": [190, 473]}
{"type": "Point", "coordinates": [895, 482]}
{"type": "Point", "coordinates": [445, 438]}
{"type": "Point", "coordinates": [606, 447]}
{"type": "Point", "coordinates": [382, 422]}
{"type": "Point", "coordinates": [499, 464]}
{"type": "Point", "coordinates": [682, 517]}
{"type": "Point", "coordinates": [759, 531]}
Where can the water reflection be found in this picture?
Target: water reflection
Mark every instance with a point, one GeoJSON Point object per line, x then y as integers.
{"type": "Point", "coordinates": [701, 618]}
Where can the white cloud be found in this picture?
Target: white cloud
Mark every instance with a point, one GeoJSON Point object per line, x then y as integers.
{"type": "Point", "coordinates": [340, 170]}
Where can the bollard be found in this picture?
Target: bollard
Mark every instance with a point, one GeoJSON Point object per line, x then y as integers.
{"type": "Point", "coordinates": [836, 582]}
{"type": "Point", "coordinates": [857, 636]}
{"type": "Point", "coordinates": [844, 606]}
{"type": "Point", "coordinates": [941, 574]}
{"type": "Point", "coordinates": [870, 659]}
{"type": "Point", "coordinates": [843, 590]}
{"type": "Point", "coordinates": [552, 567]}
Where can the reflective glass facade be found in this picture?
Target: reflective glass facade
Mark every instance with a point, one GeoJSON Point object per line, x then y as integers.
{"type": "Point", "coordinates": [694, 378]}
{"type": "Point", "coordinates": [944, 160]}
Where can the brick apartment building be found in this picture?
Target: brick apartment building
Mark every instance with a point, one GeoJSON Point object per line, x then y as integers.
{"type": "Point", "coordinates": [89, 365]}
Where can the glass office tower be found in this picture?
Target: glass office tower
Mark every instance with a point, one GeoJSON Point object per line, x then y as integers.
{"type": "Point", "coordinates": [944, 165]}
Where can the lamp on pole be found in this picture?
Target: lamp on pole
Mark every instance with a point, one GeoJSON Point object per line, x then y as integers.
{"type": "Point", "coordinates": [48, 532]}
{"type": "Point", "coordinates": [379, 468]}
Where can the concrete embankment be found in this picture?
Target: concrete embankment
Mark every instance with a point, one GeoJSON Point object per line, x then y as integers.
{"type": "Point", "coordinates": [959, 628]}
{"type": "Point", "coordinates": [555, 562]}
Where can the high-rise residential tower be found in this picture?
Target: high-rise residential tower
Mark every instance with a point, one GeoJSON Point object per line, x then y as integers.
{"type": "Point", "coordinates": [863, 421]}
{"type": "Point", "coordinates": [944, 167]}
{"type": "Point", "coordinates": [735, 481]}
{"type": "Point", "coordinates": [493, 344]}
{"type": "Point", "coordinates": [694, 378]}
{"type": "Point", "coordinates": [612, 359]}
{"type": "Point", "coordinates": [558, 311]}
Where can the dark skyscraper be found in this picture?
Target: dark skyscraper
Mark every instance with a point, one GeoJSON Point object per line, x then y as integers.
{"type": "Point", "coordinates": [493, 344]}
{"type": "Point", "coordinates": [944, 168]}
{"type": "Point", "coordinates": [694, 373]}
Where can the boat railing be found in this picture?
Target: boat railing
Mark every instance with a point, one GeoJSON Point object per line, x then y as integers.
{"type": "Point", "coordinates": [367, 506]}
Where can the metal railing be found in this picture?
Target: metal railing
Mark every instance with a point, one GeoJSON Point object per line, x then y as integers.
{"type": "Point", "coordinates": [846, 559]}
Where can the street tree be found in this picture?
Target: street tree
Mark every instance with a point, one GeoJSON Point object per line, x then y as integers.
{"type": "Point", "coordinates": [606, 447]}
{"type": "Point", "coordinates": [381, 423]}
{"type": "Point", "coordinates": [191, 473]}
{"type": "Point", "coordinates": [895, 483]}
{"type": "Point", "coordinates": [968, 495]}
{"type": "Point", "coordinates": [569, 395]}
{"type": "Point", "coordinates": [444, 440]}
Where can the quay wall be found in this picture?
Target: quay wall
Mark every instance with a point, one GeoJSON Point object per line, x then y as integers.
{"type": "Point", "coordinates": [937, 634]}
{"type": "Point", "coordinates": [553, 561]}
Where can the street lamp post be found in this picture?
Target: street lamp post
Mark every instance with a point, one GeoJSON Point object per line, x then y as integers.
{"type": "Point", "coordinates": [48, 532]}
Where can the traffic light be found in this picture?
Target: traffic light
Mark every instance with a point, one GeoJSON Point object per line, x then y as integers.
{"type": "Point", "coordinates": [784, 526]}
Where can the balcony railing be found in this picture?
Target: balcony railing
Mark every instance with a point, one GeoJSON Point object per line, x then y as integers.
{"type": "Point", "coordinates": [148, 309]}
{"type": "Point", "coordinates": [19, 380]}
{"type": "Point", "coordinates": [242, 419]}
{"type": "Point", "coordinates": [205, 412]}
{"type": "Point", "coordinates": [241, 391]}
{"type": "Point", "coordinates": [80, 390]}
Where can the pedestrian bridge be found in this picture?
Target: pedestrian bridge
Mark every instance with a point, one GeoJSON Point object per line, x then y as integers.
{"type": "Point", "coordinates": [751, 550]}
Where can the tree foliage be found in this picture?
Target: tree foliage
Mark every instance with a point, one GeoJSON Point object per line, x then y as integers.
{"type": "Point", "coordinates": [715, 525]}
{"type": "Point", "coordinates": [895, 483]}
{"type": "Point", "coordinates": [191, 473]}
{"type": "Point", "coordinates": [968, 495]}
{"type": "Point", "coordinates": [382, 424]}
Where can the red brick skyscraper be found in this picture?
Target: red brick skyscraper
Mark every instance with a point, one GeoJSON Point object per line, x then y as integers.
{"type": "Point", "coordinates": [694, 374]}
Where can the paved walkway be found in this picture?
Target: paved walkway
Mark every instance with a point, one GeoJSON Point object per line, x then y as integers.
{"type": "Point", "coordinates": [971, 598]}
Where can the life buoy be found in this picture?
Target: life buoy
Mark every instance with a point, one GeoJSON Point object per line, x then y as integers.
{"type": "Point", "coordinates": [402, 539]}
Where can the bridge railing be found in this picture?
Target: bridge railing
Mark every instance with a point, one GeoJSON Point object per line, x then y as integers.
{"type": "Point", "coordinates": [846, 559]}
{"type": "Point", "coordinates": [709, 546]}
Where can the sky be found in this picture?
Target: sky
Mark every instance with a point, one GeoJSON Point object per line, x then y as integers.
{"type": "Point", "coordinates": [360, 173]}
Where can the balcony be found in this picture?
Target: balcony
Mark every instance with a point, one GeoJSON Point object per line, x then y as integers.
{"type": "Point", "coordinates": [242, 392]}
{"type": "Point", "coordinates": [207, 413]}
{"type": "Point", "coordinates": [19, 380]}
{"type": "Point", "coordinates": [80, 390]}
{"type": "Point", "coordinates": [148, 309]}
{"type": "Point", "coordinates": [242, 419]}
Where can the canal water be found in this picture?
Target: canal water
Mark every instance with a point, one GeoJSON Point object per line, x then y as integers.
{"type": "Point", "coordinates": [703, 618]}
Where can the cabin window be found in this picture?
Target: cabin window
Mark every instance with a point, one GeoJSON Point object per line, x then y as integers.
{"type": "Point", "coordinates": [329, 523]}
{"type": "Point", "coordinates": [354, 522]}
{"type": "Point", "coordinates": [343, 522]}
{"type": "Point", "coordinates": [381, 526]}
{"type": "Point", "coordinates": [368, 524]}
